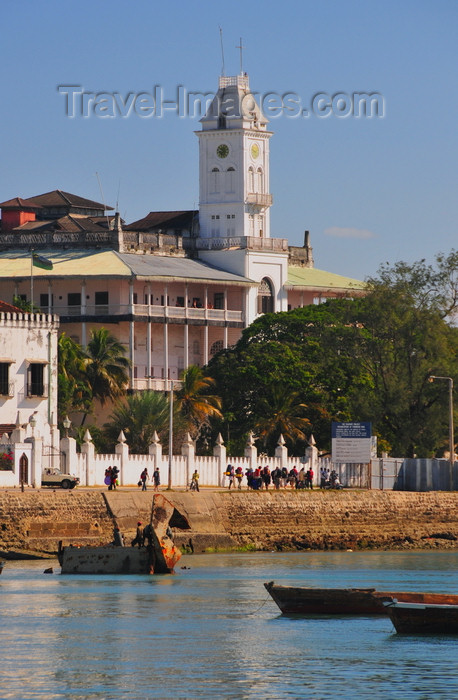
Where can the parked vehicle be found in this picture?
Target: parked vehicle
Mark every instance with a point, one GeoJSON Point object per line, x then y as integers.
{"type": "Point", "coordinates": [54, 477]}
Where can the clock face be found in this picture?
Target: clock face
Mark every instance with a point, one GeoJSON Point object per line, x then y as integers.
{"type": "Point", "coordinates": [222, 151]}
{"type": "Point", "coordinates": [255, 151]}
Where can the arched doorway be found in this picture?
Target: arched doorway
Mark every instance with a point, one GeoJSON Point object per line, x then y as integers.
{"type": "Point", "coordinates": [23, 469]}
{"type": "Point", "coordinates": [265, 297]}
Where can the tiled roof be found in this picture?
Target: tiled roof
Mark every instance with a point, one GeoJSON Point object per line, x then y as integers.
{"type": "Point", "coordinates": [58, 198]}
{"type": "Point", "coordinates": [6, 428]}
{"type": "Point", "coordinates": [311, 278]}
{"type": "Point", "coordinates": [70, 222]}
{"type": "Point", "coordinates": [167, 219]}
{"type": "Point", "coordinates": [4, 306]}
{"type": "Point", "coordinates": [18, 203]}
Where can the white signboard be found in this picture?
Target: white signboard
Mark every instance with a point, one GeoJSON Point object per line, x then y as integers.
{"type": "Point", "coordinates": [351, 442]}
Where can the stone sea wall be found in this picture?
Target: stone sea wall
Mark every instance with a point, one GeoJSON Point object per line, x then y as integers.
{"type": "Point", "coordinates": [37, 520]}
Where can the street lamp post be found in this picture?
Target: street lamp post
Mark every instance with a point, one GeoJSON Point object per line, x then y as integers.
{"type": "Point", "coordinates": [169, 484]}
{"type": "Point", "coordinates": [66, 423]}
{"type": "Point", "coordinates": [451, 429]}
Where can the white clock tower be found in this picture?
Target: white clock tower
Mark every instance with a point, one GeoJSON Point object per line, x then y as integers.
{"type": "Point", "coordinates": [234, 164]}
{"type": "Point", "coordinates": [234, 197]}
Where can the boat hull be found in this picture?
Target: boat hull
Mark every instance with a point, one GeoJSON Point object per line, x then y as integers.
{"type": "Point", "coordinates": [417, 618]}
{"type": "Point", "coordinates": [344, 601]}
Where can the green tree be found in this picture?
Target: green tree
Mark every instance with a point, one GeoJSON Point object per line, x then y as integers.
{"type": "Point", "coordinates": [139, 415]}
{"type": "Point", "coordinates": [106, 367]}
{"type": "Point", "coordinates": [364, 359]}
{"type": "Point", "coordinates": [74, 393]}
{"type": "Point", "coordinates": [195, 403]}
{"type": "Point", "coordinates": [281, 413]}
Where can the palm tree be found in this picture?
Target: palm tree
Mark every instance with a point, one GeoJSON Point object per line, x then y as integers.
{"type": "Point", "coordinates": [195, 404]}
{"type": "Point", "coordinates": [280, 413]}
{"type": "Point", "coordinates": [139, 416]}
{"type": "Point", "coordinates": [106, 366]}
{"type": "Point", "coordinates": [74, 394]}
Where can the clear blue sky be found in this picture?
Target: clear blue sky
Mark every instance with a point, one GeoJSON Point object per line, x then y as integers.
{"type": "Point", "coordinates": [369, 190]}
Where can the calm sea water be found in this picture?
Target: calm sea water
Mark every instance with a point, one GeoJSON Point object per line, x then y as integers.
{"type": "Point", "coordinates": [212, 631]}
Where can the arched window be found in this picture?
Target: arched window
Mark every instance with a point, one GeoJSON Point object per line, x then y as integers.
{"type": "Point", "coordinates": [214, 180]}
{"type": "Point", "coordinates": [251, 180]}
{"type": "Point", "coordinates": [217, 346]}
{"type": "Point", "coordinates": [265, 297]}
{"type": "Point", "coordinates": [230, 180]}
{"type": "Point", "coordinates": [260, 175]}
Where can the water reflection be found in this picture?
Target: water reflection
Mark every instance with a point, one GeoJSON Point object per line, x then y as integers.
{"type": "Point", "coordinates": [212, 631]}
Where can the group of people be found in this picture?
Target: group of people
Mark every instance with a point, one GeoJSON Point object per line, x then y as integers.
{"type": "Point", "coordinates": [111, 478]}
{"type": "Point", "coordinates": [144, 477]}
{"type": "Point", "coordinates": [263, 477]}
{"type": "Point", "coordinates": [329, 479]}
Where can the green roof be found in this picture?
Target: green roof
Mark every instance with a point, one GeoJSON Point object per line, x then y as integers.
{"type": "Point", "coordinates": [311, 278]}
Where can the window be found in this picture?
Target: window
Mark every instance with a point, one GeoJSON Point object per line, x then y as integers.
{"type": "Point", "coordinates": [135, 298]}
{"type": "Point", "coordinates": [214, 181]}
{"type": "Point", "coordinates": [251, 180]}
{"type": "Point", "coordinates": [217, 346]}
{"type": "Point", "coordinates": [101, 298]}
{"type": "Point", "coordinates": [230, 180]}
{"type": "Point", "coordinates": [260, 180]}
{"type": "Point", "coordinates": [35, 379]}
{"type": "Point", "coordinates": [196, 347]}
{"type": "Point", "coordinates": [265, 297]}
{"type": "Point", "coordinates": [44, 301]}
{"type": "Point", "coordinates": [218, 300]}
{"type": "Point", "coordinates": [5, 387]}
{"type": "Point", "coordinates": [180, 301]}
{"type": "Point", "coordinates": [74, 299]}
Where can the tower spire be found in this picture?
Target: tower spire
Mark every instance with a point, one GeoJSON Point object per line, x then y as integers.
{"type": "Point", "coordinates": [222, 50]}
{"type": "Point", "coordinates": [241, 47]}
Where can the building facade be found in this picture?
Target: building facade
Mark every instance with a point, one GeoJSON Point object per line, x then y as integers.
{"type": "Point", "coordinates": [174, 287]}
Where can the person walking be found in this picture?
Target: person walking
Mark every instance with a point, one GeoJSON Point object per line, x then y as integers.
{"type": "Point", "coordinates": [309, 479]}
{"type": "Point", "coordinates": [156, 479]}
{"type": "Point", "coordinates": [139, 538]}
{"type": "Point", "coordinates": [230, 475]}
{"type": "Point", "coordinates": [114, 478]}
{"type": "Point", "coordinates": [144, 478]}
{"type": "Point", "coordinates": [195, 481]}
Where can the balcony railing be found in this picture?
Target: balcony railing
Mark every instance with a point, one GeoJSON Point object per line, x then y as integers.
{"type": "Point", "coordinates": [278, 245]}
{"type": "Point", "coordinates": [7, 389]}
{"type": "Point", "coordinates": [37, 389]}
{"type": "Point", "coordinates": [260, 200]}
{"type": "Point", "coordinates": [153, 311]}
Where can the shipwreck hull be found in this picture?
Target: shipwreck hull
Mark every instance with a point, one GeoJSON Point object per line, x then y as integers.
{"type": "Point", "coordinates": [158, 556]}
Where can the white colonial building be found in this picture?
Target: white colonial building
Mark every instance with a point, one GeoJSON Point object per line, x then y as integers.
{"type": "Point", "coordinates": [176, 286]}
{"type": "Point", "coordinates": [28, 393]}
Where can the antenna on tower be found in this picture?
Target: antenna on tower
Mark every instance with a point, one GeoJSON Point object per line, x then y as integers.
{"type": "Point", "coordinates": [222, 50]}
{"type": "Point", "coordinates": [103, 199]}
{"type": "Point", "coordinates": [241, 47]}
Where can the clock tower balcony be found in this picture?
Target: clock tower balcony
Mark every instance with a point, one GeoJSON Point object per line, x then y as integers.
{"type": "Point", "coordinates": [259, 200]}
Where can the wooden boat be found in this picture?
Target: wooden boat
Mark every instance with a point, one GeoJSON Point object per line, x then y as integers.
{"type": "Point", "coordinates": [158, 556]}
{"type": "Point", "coordinates": [423, 618]}
{"type": "Point", "coordinates": [346, 601]}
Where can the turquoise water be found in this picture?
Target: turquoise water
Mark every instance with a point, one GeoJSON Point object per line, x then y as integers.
{"type": "Point", "coordinates": [212, 631]}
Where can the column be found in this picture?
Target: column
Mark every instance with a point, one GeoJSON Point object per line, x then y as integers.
{"type": "Point", "coordinates": [131, 334]}
{"type": "Point", "coordinates": [186, 345]}
{"type": "Point", "coordinates": [148, 350]}
{"type": "Point", "coordinates": [225, 339]}
{"type": "Point", "coordinates": [166, 354]}
{"type": "Point", "coordinates": [50, 304]}
{"type": "Point", "coordinates": [83, 313]}
{"type": "Point", "coordinates": [205, 344]}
